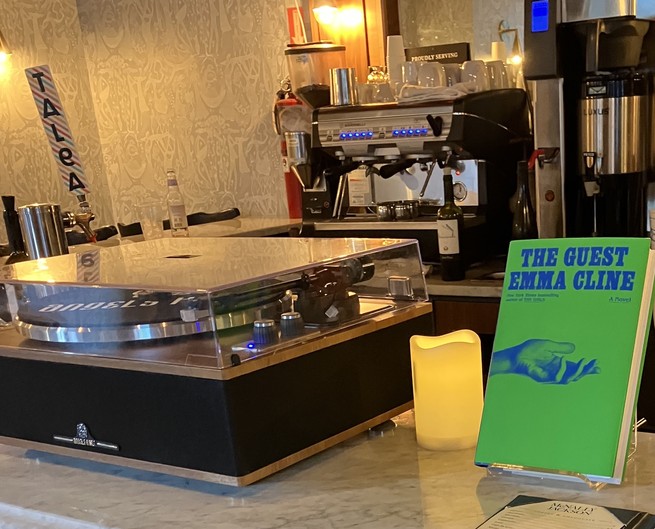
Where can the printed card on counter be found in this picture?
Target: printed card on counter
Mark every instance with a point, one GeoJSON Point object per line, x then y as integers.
{"type": "Point", "coordinates": [529, 512]}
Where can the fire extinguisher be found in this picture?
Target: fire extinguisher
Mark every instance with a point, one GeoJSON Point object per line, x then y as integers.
{"type": "Point", "coordinates": [290, 114]}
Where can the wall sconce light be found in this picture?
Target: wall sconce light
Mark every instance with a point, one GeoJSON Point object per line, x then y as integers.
{"type": "Point", "coordinates": [325, 11]}
{"type": "Point", "coordinates": [4, 49]}
{"type": "Point", "coordinates": [515, 56]}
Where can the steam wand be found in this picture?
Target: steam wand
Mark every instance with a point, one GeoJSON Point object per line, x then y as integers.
{"type": "Point", "coordinates": [427, 179]}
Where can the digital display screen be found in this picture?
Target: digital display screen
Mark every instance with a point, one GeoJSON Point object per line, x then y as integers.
{"type": "Point", "coordinates": [540, 16]}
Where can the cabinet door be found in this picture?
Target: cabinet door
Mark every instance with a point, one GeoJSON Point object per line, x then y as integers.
{"type": "Point", "coordinates": [479, 315]}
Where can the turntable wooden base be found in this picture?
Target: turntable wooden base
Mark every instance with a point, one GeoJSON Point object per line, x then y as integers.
{"type": "Point", "coordinates": [232, 426]}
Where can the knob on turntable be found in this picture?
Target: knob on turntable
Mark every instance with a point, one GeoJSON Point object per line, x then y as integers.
{"type": "Point", "coordinates": [291, 324]}
{"type": "Point", "coordinates": [264, 332]}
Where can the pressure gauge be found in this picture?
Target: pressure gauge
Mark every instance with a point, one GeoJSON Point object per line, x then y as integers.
{"type": "Point", "coordinates": [459, 190]}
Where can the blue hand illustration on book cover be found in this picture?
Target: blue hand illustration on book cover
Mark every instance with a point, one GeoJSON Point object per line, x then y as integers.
{"type": "Point", "coordinates": [543, 361]}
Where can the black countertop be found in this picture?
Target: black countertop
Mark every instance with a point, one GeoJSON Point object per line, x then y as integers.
{"type": "Point", "coordinates": [483, 280]}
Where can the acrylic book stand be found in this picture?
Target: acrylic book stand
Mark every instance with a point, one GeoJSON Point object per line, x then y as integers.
{"type": "Point", "coordinates": [504, 470]}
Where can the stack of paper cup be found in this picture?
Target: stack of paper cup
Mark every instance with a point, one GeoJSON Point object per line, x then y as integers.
{"type": "Point", "coordinates": [498, 51]}
{"type": "Point", "coordinates": [395, 60]}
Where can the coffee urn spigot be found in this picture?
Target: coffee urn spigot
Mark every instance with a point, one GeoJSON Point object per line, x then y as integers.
{"type": "Point", "coordinates": [591, 181]}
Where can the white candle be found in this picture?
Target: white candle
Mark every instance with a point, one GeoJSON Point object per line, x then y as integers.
{"type": "Point", "coordinates": [447, 376]}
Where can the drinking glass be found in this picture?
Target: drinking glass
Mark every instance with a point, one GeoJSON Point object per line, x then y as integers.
{"type": "Point", "coordinates": [409, 71]}
{"type": "Point", "coordinates": [431, 74]}
{"type": "Point", "coordinates": [476, 72]}
{"type": "Point", "coordinates": [151, 217]}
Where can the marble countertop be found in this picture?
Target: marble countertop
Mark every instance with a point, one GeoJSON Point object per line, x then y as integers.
{"type": "Point", "coordinates": [370, 482]}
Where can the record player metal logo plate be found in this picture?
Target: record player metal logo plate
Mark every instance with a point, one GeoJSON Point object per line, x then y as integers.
{"type": "Point", "coordinates": [84, 438]}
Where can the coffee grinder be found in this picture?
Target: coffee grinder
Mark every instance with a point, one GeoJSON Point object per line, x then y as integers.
{"type": "Point", "coordinates": [589, 65]}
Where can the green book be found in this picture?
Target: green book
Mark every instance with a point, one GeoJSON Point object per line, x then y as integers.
{"type": "Point", "coordinates": [567, 357]}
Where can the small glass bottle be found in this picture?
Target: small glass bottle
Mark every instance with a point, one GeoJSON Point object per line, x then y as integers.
{"type": "Point", "coordinates": [524, 220]}
{"type": "Point", "coordinates": [450, 219]}
{"type": "Point", "coordinates": [176, 208]}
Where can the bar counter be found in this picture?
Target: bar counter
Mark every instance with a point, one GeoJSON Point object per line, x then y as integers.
{"type": "Point", "coordinates": [480, 281]}
{"type": "Point", "coordinates": [382, 481]}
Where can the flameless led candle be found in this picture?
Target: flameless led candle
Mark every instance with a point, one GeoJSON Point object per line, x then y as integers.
{"type": "Point", "coordinates": [447, 376]}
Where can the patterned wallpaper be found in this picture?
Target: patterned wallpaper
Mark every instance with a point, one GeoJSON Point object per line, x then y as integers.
{"type": "Point", "coordinates": [486, 16]}
{"type": "Point", "coordinates": [46, 32]}
{"type": "Point", "coordinates": [431, 22]}
{"type": "Point", "coordinates": [188, 84]}
{"type": "Point", "coordinates": [147, 85]}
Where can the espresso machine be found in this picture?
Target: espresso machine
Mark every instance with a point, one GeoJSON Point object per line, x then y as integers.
{"type": "Point", "coordinates": [589, 65]}
{"type": "Point", "coordinates": [375, 170]}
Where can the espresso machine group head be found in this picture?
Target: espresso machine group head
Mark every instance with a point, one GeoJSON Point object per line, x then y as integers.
{"type": "Point", "coordinates": [589, 66]}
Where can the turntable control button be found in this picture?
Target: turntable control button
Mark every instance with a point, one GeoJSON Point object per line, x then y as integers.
{"type": "Point", "coordinates": [291, 324]}
{"type": "Point", "coordinates": [264, 332]}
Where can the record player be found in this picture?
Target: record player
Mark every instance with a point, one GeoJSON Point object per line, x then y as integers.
{"type": "Point", "coordinates": [221, 359]}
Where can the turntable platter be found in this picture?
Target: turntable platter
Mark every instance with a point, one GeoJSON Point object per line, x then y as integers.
{"type": "Point", "coordinates": [98, 315]}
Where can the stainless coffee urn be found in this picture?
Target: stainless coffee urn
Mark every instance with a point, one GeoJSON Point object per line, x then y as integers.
{"type": "Point", "coordinates": [589, 65]}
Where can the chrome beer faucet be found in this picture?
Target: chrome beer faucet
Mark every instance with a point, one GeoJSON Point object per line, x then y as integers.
{"type": "Point", "coordinates": [82, 218]}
